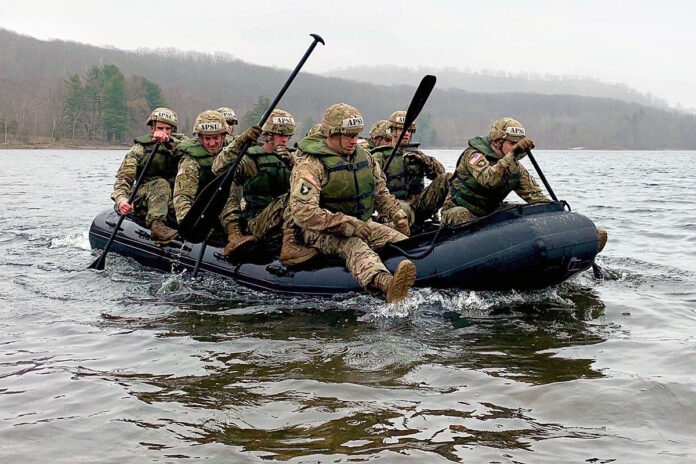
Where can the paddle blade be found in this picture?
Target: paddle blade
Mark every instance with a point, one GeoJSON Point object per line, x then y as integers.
{"type": "Point", "coordinates": [98, 264]}
{"type": "Point", "coordinates": [419, 98]}
{"type": "Point", "coordinates": [204, 212]}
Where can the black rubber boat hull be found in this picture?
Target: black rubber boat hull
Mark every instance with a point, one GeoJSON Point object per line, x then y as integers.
{"type": "Point", "coordinates": [523, 247]}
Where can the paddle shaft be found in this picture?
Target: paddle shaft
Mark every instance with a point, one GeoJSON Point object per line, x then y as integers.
{"type": "Point", "coordinates": [193, 232]}
{"type": "Point", "coordinates": [99, 263]}
{"type": "Point", "coordinates": [204, 245]}
{"type": "Point", "coordinates": [417, 102]}
{"type": "Point", "coordinates": [541, 175]}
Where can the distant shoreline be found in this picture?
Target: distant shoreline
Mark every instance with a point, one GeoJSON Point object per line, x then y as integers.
{"type": "Point", "coordinates": [66, 144]}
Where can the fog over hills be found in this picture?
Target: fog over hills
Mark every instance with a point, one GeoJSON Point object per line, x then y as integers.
{"type": "Point", "coordinates": [499, 82]}
{"type": "Point", "coordinates": [557, 113]}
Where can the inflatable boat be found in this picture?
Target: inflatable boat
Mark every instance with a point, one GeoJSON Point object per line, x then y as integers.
{"type": "Point", "coordinates": [520, 247]}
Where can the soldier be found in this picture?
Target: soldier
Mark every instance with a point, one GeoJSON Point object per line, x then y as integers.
{"type": "Point", "coordinates": [487, 171]}
{"type": "Point", "coordinates": [264, 177]}
{"type": "Point", "coordinates": [407, 172]}
{"type": "Point", "coordinates": [231, 119]}
{"type": "Point", "coordinates": [197, 157]}
{"type": "Point", "coordinates": [334, 188]}
{"type": "Point", "coordinates": [378, 134]}
{"type": "Point", "coordinates": [154, 195]}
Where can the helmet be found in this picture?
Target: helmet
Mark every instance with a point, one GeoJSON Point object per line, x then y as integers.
{"type": "Point", "coordinates": [210, 122]}
{"type": "Point", "coordinates": [164, 115]}
{"type": "Point", "coordinates": [397, 120]}
{"type": "Point", "coordinates": [379, 129]}
{"type": "Point", "coordinates": [342, 118]}
{"type": "Point", "coordinates": [229, 115]}
{"type": "Point", "coordinates": [279, 122]}
{"type": "Point", "coordinates": [316, 129]}
{"type": "Point", "coordinates": [507, 129]}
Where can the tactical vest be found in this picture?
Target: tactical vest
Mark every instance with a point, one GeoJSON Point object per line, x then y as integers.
{"type": "Point", "coordinates": [164, 164]}
{"type": "Point", "coordinates": [351, 186]}
{"type": "Point", "coordinates": [272, 180]}
{"type": "Point", "coordinates": [467, 192]}
{"type": "Point", "coordinates": [405, 179]}
{"type": "Point", "coordinates": [195, 150]}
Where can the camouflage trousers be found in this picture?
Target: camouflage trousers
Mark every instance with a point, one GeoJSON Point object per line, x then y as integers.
{"type": "Point", "coordinates": [267, 226]}
{"type": "Point", "coordinates": [362, 262]}
{"type": "Point", "coordinates": [427, 203]}
{"type": "Point", "coordinates": [454, 215]}
{"type": "Point", "coordinates": [153, 200]}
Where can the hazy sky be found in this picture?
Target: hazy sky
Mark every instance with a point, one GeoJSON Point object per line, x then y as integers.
{"type": "Point", "coordinates": [648, 45]}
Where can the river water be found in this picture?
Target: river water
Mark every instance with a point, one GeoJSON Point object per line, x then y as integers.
{"type": "Point", "coordinates": [130, 365]}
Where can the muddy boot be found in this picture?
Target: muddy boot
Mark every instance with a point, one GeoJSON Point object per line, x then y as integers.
{"type": "Point", "coordinates": [395, 287]}
{"type": "Point", "coordinates": [293, 252]}
{"type": "Point", "coordinates": [602, 239]}
{"type": "Point", "coordinates": [235, 239]}
{"type": "Point", "coordinates": [160, 233]}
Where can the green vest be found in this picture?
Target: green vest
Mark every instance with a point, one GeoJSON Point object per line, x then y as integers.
{"type": "Point", "coordinates": [272, 180]}
{"type": "Point", "coordinates": [467, 192]}
{"type": "Point", "coordinates": [164, 164]}
{"type": "Point", "coordinates": [351, 186]}
{"type": "Point", "coordinates": [404, 179]}
{"type": "Point", "coordinates": [195, 150]}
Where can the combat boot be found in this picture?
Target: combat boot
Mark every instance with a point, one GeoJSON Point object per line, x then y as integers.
{"type": "Point", "coordinates": [160, 233]}
{"type": "Point", "coordinates": [293, 252]}
{"type": "Point", "coordinates": [602, 239]}
{"type": "Point", "coordinates": [235, 239]}
{"type": "Point", "coordinates": [395, 287]}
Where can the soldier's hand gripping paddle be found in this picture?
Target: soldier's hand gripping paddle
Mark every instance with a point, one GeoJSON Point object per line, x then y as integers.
{"type": "Point", "coordinates": [99, 263]}
{"type": "Point", "coordinates": [207, 206]}
{"type": "Point", "coordinates": [419, 98]}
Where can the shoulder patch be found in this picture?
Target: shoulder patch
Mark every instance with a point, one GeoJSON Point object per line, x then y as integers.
{"type": "Point", "coordinates": [305, 189]}
{"type": "Point", "coordinates": [475, 159]}
{"type": "Point", "coordinates": [311, 179]}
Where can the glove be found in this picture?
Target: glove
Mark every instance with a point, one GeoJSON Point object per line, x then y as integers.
{"type": "Point", "coordinates": [284, 154]}
{"type": "Point", "coordinates": [360, 230]}
{"type": "Point", "coordinates": [416, 157]}
{"type": "Point", "coordinates": [521, 148]}
{"type": "Point", "coordinates": [251, 135]}
{"type": "Point", "coordinates": [401, 225]}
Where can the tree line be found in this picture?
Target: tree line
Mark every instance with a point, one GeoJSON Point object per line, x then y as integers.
{"type": "Point", "coordinates": [54, 89]}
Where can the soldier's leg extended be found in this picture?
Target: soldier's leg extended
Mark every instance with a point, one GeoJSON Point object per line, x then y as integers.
{"type": "Point", "coordinates": [230, 219]}
{"type": "Point", "coordinates": [364, 264]}
{"type": "Point", "coordinates": [427, 204]}
{"type": "Point", "coordinates": [267, 225]}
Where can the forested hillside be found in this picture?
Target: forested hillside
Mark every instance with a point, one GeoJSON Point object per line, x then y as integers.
{"type": "Point", "coordinates": [57, 89]}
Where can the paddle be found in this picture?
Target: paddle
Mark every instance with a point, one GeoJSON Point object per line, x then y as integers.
{"type": "Point", "coordinates": [417, 102]}
{"type": "Point", "coordinates": [200, 258]}
{"type": "Point", "coordinates": [195, 226]}
{"type": "Point", "coordinates": [99, 263]}
{"type": "Point", "coordinates": [599, 273]}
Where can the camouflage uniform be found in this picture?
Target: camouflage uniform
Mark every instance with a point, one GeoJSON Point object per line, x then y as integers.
{"type": "Point", "coordinates": [482, 180]}
{"type": "Point", "coordinates": [195, 165]}
{"type": "Point", "coordinates": [330, 231]}
{"type": "Point", "coordinates": [155, 193]}
{"type": "Point", "coordinates": [265, 224]}
{"type": "Point", "coordinates": [405, 180]}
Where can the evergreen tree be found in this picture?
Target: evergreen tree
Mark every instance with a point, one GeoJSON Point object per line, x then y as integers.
{"type": "Point", "coordinates": [116, 118]}
{"type": "Point", "coordinates": [254, 115]}
{"type": "Point", "coordinates": [154, 94]}
{"type": "Point", "coordinates": [75, 103]}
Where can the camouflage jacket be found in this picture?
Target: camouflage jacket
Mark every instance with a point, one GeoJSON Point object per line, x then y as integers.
{"type": "Point", "coordinates": [308, 178]}
{"type": "Point", "coordinates": [135, 160]}
{"type": "Point", "coordinates": [416, 166]}
{"type": "Point", "coordinates": [482, 180]}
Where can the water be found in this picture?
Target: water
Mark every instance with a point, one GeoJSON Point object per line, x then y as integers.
{"type": "Point", "coordinates": [131, 365]}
